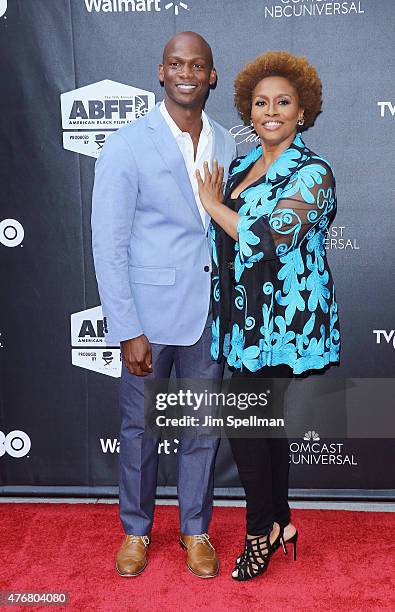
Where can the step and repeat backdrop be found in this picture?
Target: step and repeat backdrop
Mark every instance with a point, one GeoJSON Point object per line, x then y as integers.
{"type": "Point", "coordinates": [74, 71]}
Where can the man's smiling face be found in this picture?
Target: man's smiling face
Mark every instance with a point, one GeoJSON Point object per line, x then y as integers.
{"type": "Point", "coordinates": [187, 70]}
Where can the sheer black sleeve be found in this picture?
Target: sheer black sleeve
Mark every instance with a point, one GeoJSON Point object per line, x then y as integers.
{"type": "Point", "coordinates": [307, 202]}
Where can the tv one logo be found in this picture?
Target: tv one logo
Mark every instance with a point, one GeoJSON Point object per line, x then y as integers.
{"type": "Point", "coordinates": [386, 337]}
{"type": "Point", "coordinates": [89, 349]}
{"type": "Point", "coordinates": [3, 7]}
{"type": "Point", "coordinates": [91, 113]}
{"type": "Point", "coordinates": [16, 444]}
{"type": "Point", "coordinates": [386, 109]}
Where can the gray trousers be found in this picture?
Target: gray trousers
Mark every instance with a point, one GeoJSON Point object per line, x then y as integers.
{"type": "Point", "coordinates": [138, 458]}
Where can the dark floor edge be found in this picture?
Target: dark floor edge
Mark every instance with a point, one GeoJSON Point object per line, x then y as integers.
{"type": "Point", "coordinates": [219, 493]}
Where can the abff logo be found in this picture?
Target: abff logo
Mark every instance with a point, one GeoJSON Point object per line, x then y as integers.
{"type": "Point", "coordinates": [3, 7]}
{"type": "Point", "coordinates": [89, 349]}
{"type": "Point", "coordinates": [91, 113]}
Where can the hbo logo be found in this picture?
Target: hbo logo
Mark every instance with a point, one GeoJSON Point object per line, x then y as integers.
{"type": "Point", "coordinates": [11, 232]}
{"type": "Point", "coordinates": [16, 443]}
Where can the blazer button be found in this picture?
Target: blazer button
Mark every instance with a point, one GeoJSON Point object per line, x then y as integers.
{"type": "Point", "coordinates": [206, 269]}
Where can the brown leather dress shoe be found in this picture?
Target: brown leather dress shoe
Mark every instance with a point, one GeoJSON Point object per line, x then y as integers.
{"type": "Point", "coordinates": [131, 558]}
{"type": "Point", "coordinates": [201, 559]}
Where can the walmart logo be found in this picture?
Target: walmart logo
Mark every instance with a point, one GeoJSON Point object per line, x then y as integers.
{"type": "Point", "coordinates": [175, 6]}
{"type": "Point", "coordinates": [124, 6]}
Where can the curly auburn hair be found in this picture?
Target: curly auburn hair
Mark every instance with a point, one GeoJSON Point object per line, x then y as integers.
{"type": "Point", "coordinates": [296, 69]}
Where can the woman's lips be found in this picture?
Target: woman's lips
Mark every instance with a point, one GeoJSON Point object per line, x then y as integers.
{"type": "Point", "coordinates": [272, 125]}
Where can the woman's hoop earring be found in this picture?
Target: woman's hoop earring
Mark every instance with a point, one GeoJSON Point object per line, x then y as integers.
{"type": "Point", "coordinates": [300, 122]}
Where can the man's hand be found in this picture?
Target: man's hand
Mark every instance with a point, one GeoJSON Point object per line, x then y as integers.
{"type": "Point", "coordinates": [137, 355]}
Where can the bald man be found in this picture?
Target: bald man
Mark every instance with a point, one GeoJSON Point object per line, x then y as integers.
{"type": "Point", "coordinates": [150, 238]}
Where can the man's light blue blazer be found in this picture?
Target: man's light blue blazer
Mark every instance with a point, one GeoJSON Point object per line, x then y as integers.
{"type": "Point", "coordinates": [150, 248]}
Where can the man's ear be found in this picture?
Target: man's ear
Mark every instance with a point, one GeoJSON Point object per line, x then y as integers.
{"type": "Point", "coordinates": [161, 75]}
{"type": "Point", "coordinates": [213, 76]}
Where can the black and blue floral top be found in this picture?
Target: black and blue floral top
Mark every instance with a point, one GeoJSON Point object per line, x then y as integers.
{"type": "Point", "coordinates": [273, 294]}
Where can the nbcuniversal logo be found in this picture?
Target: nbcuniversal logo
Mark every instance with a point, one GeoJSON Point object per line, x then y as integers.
{"type": "Point", "coordinates": [311, 451]}
{"type": "Point", "coordinates": [311, 8]}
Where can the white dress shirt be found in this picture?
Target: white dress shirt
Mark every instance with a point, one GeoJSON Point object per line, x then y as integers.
{"type": "Point", "coordinates": [204, 153]}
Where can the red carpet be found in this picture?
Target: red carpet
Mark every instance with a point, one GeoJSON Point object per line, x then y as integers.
{"type": "Point", "coordinates": [346, 561]}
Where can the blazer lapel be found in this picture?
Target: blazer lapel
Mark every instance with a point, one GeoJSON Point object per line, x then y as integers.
{"type": "Point", "coordinates": [217, 144]}
{"type": "Point", "coordinates": [172, 157]}
{"type": "Point", "coordinates": [217, 153]}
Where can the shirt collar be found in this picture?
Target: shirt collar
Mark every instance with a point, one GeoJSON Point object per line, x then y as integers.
{"type": "Point", "coordinates": [175, 130]}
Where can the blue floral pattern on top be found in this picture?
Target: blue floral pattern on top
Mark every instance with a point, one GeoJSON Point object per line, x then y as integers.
{"type": "Point", "coordinates": [273, 295]}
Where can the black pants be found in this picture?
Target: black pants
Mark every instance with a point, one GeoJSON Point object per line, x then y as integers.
{"type": "Point", "coordinates": [263, 463]}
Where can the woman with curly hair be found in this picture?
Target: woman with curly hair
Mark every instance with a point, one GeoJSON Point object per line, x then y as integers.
{"type": "Point", "coordinates": [274, 307]}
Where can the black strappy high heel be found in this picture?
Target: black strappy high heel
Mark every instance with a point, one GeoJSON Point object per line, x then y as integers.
{"type": "Point", "coordinates": [293, 541]}
{"type": "Point", "coordinates": [274, 545]}
{"type": "Point", "coordinates": [284, 543]}
{"type": "Point", "coordinates": [255, 558]}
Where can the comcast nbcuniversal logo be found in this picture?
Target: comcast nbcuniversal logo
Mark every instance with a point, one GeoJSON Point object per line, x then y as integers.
{"type": "Point", "coordinates": [311, 451]}
{"type": "Point", "coordinates": [314, 8]}
{"type": "Point", "coordinates": [133, 6]}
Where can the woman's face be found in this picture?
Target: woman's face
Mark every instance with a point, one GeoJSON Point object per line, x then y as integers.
{"type": "Point", "coordinates": [275, 110]}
